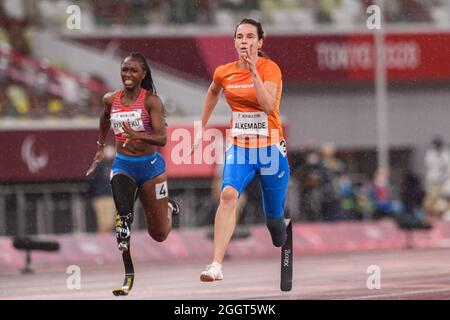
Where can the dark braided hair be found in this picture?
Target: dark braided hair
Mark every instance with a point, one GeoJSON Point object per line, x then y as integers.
{"type": "Point", "coordinates": [259, 29]}
{"type": "Point", "coordinates": [147, 82]}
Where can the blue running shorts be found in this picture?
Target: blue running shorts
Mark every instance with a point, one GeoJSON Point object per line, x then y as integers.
{"type": "Point", "coordinates": [270, 163]}
{"type": "Point", "coordinates": [141, 169]}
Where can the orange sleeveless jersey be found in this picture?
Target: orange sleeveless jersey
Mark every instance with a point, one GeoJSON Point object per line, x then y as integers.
{"type": "Point", "coordinates": [240, 94]}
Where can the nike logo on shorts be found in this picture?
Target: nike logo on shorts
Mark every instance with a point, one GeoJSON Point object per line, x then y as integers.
{"type": "Point", "coordinates": [153, 161]}
{"type": "Point", "coordinates": [281, 174]}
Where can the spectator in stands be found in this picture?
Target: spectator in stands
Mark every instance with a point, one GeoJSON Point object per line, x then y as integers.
{"type": "Point", "coordinates": [412, 195]}
{"type": "Point", "coordinates": [52, 13]}
{"type": "Point", "coordinates": [3, 101]}
{"type": "Point", "coordinates": [365, 205]}
{"type": "Point", "coordinates": [4, 62]}
{"type": "Point", "coordinates": [17, 30]}
{"type": "Point", "coordinates": [39, 103]}
{"type": "Point", "coordinates": [41, 77]}
{"type": "Point", "coordinates": [4, 34]}
{"type": "Point", "coordinates": [111, 12]}
{"type": "Point", "coordinates": [311, 173]}
{"type": "Point", "coordinates": [177, 11]}
{"type": "Point", "coordinates": [347, 196]}
{"type": "Point", "coordinates": [207, 9]}
{"type": "Point", "coordinates": [325, 8]}
{"type": "Point", "coordinates": [414, 11]}
{"type": "Point", "coordinates": [55, 107]}
{"type": "Point", "coordinates": [4, 39]}
{"type": "Point", "coordinates": [437, 164]}
{"type": "Point", "coordinates": [335, 167]}
{"type": "Point", "coordinates": [19, 98]}
{"type": "Point", "coordinates": [405, 10]}
{"type": "Point", "coordinates": [319, 197]}
{"type": "Point", "coordinates": [70, 88]}
{"type": "Point", "coordinates": [267, 8]}
{"type": "Point", "coordinates": [380, 193]}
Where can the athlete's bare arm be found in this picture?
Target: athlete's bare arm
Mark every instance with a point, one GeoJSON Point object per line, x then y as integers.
{"type": "Point", "coordinates": [104, 125]}
{"type": "Point", "coordinates": [105, 122]}
{"type": "Point", "coordinates": [211, 99]}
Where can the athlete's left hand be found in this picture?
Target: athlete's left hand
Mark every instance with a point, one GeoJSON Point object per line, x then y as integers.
{"type": "Point", "coordinates": [130, 134]}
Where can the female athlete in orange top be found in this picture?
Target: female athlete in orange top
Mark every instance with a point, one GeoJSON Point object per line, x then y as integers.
{"type": "Point", "coordinates": [252, 86]}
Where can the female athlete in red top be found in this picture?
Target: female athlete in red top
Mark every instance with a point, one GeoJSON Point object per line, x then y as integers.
{"type": "Point", "coordinates": [136, 114]}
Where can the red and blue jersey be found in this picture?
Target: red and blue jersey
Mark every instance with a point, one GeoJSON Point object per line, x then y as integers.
{"type": "Point", "coordinates": [136, 115]}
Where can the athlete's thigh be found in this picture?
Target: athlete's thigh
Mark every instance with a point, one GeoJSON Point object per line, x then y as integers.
{"type": "Point", "coordinates": [238, 171]}
{"type": "Point", "coordinates": [154, 196]}
{"type": "Point", "coordinates": [274, 188]}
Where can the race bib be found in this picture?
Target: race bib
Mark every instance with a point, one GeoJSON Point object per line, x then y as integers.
{"type": "Point", "coordinates": [132, 117]}
{"type": "Point", "coordinates": [250, 123]}
{"type": "Point", "coordinates": [282, 148]}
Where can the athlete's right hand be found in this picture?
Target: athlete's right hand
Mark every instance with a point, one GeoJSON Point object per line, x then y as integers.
{"type": "Point", "coordinates": [99, 156]}
{"type": "Point", "coordinates": [197, 139]}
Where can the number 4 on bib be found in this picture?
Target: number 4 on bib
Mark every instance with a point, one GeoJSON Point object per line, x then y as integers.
{"type": "Point", "coordinates": [161, 190]}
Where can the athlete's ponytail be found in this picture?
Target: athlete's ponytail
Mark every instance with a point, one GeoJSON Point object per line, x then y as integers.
{"type": "Point", "coordinates": [262, 54]}
{"type": "Point", "coordinates": [147, 82]}
{"type": "Point", "coordinates": [259, 30]}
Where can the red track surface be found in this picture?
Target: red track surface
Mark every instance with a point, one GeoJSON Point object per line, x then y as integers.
{"type": "Point", "coordinates": [405, 274]}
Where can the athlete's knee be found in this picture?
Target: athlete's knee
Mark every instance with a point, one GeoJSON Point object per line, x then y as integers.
{"type": "Point", "coordinates": [277, 229]}
{"type": "Point", "coordinates": [158, 235]}
{"type": "Point", "coordinates": [229, 196]}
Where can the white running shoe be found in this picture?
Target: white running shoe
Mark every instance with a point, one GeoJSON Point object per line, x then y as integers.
{"type": "Point", "coordinates": [213, 272]}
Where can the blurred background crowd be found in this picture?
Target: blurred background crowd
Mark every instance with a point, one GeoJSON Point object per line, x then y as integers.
{"type": "Point", "coordinates": [39, 88]}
